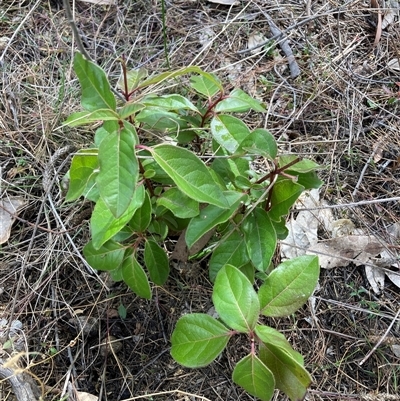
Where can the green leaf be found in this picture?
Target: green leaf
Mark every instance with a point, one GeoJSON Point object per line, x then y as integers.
{"type": "Point", "coordinates": [251, 374]}
{"type": "Point", "coordinates": [231, 250]}
{"type": "Point", "coordinates": [210, 217]}
{"type": "Point", "coordinates": [284, 194]}
{"type": "Point", "coordinates": [87, 117]}
{"type": "Point", "coordinates": [179, 204]}
{"type": "Point", "coordinates": [134, 276]}
{"type": "Point", "coordinates": [129, 109]}
{"type": "Point", "coordinates": [190, 174]}
{"type": "Point", "coordinates": [119, 169]}
{"type": "Point", "coordinates": [289, 286]}
{"type": "Point", "coordinates": [108, 127]}
{"type": "Point", "coordinates": [229, 131]}
{"type": "Point", "coordinates": [235, 299]}
{"type": "Point", "coordinates": [207, 77]}
{"type": "Point", "coordinates": [122, 311]}
{"type": "Point", "coordinates": [103, 224]}
{"type": "Point", "coordinates": [198, 339]}
{"type": "Point", "coordinates": [142, 216]}
{"type": "Point", "coordinates": [96, 91]}
{"type": "Point", "coordinates": [290, 376]}
{"type": "Point", "coordinates": [260, 142]}
{"type": "Point", "coordinates": [302, 166]}
{"type": "Point", "coordinates": [169, 102]}
{"type": "Point", "coordinates": [133, 77]}
{"type": "Point", "coordinates": [159, 119]}
{"type": "Point", "coordinates": [204, 85]}
{"type": "Point", "coordinates": [260, 238]}
{"type": "Point", "coordinates": [159, 228]}
{"type": "Point", "coordinates": [83, 171]}
{"type": "Point", "coordinates": [268, 335]}
{"type": "Point", "coordinates": [308, 180]}
{"type": "Point", "coordinates": [240, 102]}
{"type": "Point", "coordinates": [108, 257]}
{"type": "Point", "coordinates": [156, 262]}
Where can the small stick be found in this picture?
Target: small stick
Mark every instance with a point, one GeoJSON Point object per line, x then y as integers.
{"type": "Point", "coordinates": [284, 43]}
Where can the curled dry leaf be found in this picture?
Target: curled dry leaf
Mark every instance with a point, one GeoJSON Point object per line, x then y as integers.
{"type": "Point", "coordinates": [82, 396]}
{"type": "Point", "coordinates": [254, 40]}
{"type": "Point", "coordinates": [9, 209]}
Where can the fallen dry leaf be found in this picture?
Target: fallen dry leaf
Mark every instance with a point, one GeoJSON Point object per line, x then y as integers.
{"type": "Point", "coordinates": [82, 396]}
{"type": "Point", "coordinates": [9, 208]}
{"type": "Point", "coordinates": [336, 252]}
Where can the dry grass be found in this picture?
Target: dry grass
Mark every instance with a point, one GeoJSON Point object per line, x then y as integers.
{"type": "Point", "coordinates": [343, 110]}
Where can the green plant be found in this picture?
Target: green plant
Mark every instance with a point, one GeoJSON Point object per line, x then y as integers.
{"type": "Point", "coordinates": [165, 165]}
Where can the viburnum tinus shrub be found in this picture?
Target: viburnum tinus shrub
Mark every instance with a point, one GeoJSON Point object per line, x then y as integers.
{"type": "Point", "coordinates": [165, 165]}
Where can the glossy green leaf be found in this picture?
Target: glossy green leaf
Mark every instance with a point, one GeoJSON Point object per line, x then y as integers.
{"type": "Point", "coordinates": [210, 217]}
{"type": "Point", "coordinates": [156, 261]}
{"type": "Point", "coordinates": [87, 117]}
{"type": "Point", "coordinates": [161, 120]}
{"type": "Point", "coordinates": [142, 216]}
{"type": "Point", "coordinates": [240, 102]}
{"type": "Point", "coordinates": [302, 166]}
{"type": "Point", "coordinates": [231, 250]}
{"type": "Point", "coordinates": [119, 169]}
{"type": "Point", "coordinates": [103, 224]}
{"type": "Point", "coordinates": [251, 374]}
{"type": "Point", "coordinates": [108, 257]}
{"type": "Point", "coordinates": [289, 286]}
{"type": "Point", "coordinates": [158, 228]}
{"type": "Point", "coordinates": [129, 109]}
{"type": "Point", "coordinates": [134, 276]}
{"type": "Point", "coordinates": [164, 76]}
{"type": "Point", "coordinates": [260, 142]}
{"type": "Point", "coordinates": [96, 91]}
{"type": "Point", "coordinates": [169, 102]}
{"type": "Point", "coordinates": [235, 299]}
{"type": "Point", "coordinates": [308, 180]}
{"type": "Point", "coordinates": [229, 131]}
{"type": "Point", "coordinates": [198, 339]}
{"type": "Point", "coordinates": [260, 238]}
{"type": "Point", "coordinates": [190, 174]}
{"type": "Point", "coordinates": [133, 78]}
{"type": "Point", "coordinates": [82, 173]}
{"type": "Point", "coordinates": [290, 376]}
{"type": "Point", "coordinates": [179, 204]}
{"type": "Point", "coordinates": [204, 85]}
{"type": "Point", "coordinates": [268, 335]}
{"type": "Point", "coordinates": [108, 127]}
{"type": "Point", "coordinates": [284, 194]}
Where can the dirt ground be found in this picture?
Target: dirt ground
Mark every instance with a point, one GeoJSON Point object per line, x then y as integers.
{"type": "Point", "coordinates": [343, 111]}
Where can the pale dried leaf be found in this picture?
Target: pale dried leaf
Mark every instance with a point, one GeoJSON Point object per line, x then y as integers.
{"type": "Point", "coordinates": [254, 40]}
{"type": "Point", "coordinates": [336, 252]}
{"type": "Point", "coordinates": [375, 277]}
{"type": "Point", "coordinates": [101, 2]}
{"type": "Point", "coordinates": [394, 277]}
{"type": "Point", "coordinates": [82, 396]}
{"type": "Point", "coordinates": [392, 8]}
{"type": "Point", "coordinates": [9, 207]}
{"type": "Point", "coordinates": [303, 230]}
{"type": "Point", "coordinates": [394, 64]}
{"type": "Point", "coordinates": [225, 2]}
{"type": "Point", "coordinates": [396, 350]}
